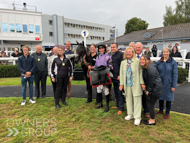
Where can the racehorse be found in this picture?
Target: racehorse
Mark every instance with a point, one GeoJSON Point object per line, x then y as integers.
{"type": "Point", "coordinates": [81, 51]}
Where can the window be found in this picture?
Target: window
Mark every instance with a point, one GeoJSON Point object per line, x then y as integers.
{"type": "Point", "coordinates": [50, 22]}
{"type": "Point", "coordinates": [25, 30]}
{"type": "Point", "coordinates": [4, 27]}
{"type": "Point", "coordinates": [12, 27]}
{"type": "Point", "coordinates": [31, 28]}
{"type": "Point", "coordinates": [37, 28]}
{"type": "Point", "coordinates": [51, 34]}
{"type": "Point", "coordinates": [18, 28]}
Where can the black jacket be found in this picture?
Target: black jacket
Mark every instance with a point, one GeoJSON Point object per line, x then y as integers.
{"type": "Point", "coordinates": [176, 54]}
{"type": "Point", "coordinates": [26, 64]}
{"type": "Point", "coordinates": [153, 81]}
{"type": "Point", "coordinates": [154, 49]}
{"type": "Point", "coordinates": [64, 68]}
{"type": "Point", "coordinates": [41, 62]}
{"type": "Point", "coordinates": [18, 55]}
{"type": "Point", "coordinates": [117, 58]}
{"type": "Point", "coordinates": [188, 55]}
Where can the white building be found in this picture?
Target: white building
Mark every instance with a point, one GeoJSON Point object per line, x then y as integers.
{"type": "Point", "coordinates": [18, 28]}
{"type": "Point", "coordinates": [58, 29]}
{"type": "Point", "coordinates": [22, 27]}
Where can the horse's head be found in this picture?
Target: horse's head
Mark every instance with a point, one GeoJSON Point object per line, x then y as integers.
{"type": "Point", "coordinates": [81, 51]}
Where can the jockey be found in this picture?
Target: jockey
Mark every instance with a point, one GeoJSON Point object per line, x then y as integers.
{"type": "Point", "coordinates": [103, 60]}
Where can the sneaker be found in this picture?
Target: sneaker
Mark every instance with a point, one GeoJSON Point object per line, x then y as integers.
{"type": "Point", "coordinates": [32, 101]}
{"type": "Point", "coordinates": [137, 122]}
{"type": "Point", "coordinates": [128, 117]}
{"type": "Point", "coordinates": [23, 102]}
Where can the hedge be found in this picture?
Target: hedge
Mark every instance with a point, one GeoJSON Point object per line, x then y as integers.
{"type": "Point", "coordinates": [12, 71]}
{"type": "Point", "coordinates": [9, 71]}
{"type": "Point", "coordinates": [182, 75]}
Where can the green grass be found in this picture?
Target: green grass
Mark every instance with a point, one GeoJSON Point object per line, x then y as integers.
{"type": "Point", "coordinates": [17, 81]}
{"type": "Point", "coordinates": [80, 122]}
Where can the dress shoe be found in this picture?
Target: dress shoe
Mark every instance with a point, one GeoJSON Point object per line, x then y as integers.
{"type": "Point", "coordinates": [43, 96]}
{"type": "Point", "coordinates": [65, 103]}
{"type": "Point", "coordinates": [115, 107]}
{"type": "Point", "coordinates": [88, 101]}
{"type": "Point", "coordinates": [159, 112]}
{"type": "Point", "coordinates": [119, 112]}
{"type": "Point", "coordinates": [166, 116]}
{"type": "Point", "coordinates": [146, 115]}
{"type": "Point", "coordinates": [57, 106]}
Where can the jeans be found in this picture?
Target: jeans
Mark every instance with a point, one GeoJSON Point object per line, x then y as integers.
{"type": "Point", "coordinates": [24, 85]}
{"type": "Point", "coordinates": [119, 97]}
{"type": "Point", "coordinates": [168, 106]}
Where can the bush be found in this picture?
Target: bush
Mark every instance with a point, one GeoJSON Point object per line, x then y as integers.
{"type": "Point", "coordinates": [9, 71]}
{"type": "Point", "coordinates": [182, 75]}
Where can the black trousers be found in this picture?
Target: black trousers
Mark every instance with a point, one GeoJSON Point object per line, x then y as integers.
{"type": "Point", "coordinates": [61, 88]}
{"type": "Point", "coordinates": [85, 70]}
{"type": "Point", "coordinates": [144, 104]}
{"type": "Point", "coordinates": [54, 87]}
{"type": "Point", "coordinates": [89, 87]}
{"type": "Point", "coordinates": [40, 77]}
{"type": "Point", "coordinates": [151, 104]}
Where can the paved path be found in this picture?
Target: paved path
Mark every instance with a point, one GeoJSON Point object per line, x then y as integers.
{"type": "Point", "coordinates": [181, 103]}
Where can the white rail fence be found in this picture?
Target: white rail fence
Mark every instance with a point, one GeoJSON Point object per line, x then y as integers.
{"type": "Point", "coordinates": [184, 63]}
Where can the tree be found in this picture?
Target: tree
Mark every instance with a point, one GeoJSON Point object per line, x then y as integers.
{"type": "Point", "coordinates": [181, 14]}
{"type": "Point", "coordinates": [135, 24]}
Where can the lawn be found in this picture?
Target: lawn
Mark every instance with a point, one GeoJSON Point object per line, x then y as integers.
{"type": "Point", "coordinates": [17, 81]}
{"type": "Point", "coordinates": [81, 122]}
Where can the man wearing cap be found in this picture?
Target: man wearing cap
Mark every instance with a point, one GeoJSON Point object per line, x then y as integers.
{"type": "Point", "coordinates": [3, 55]}
{"type": "Point", "coordinates": [40, 74]}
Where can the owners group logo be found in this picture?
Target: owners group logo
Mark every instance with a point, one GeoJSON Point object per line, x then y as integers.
{"type": "Point", "coordinates": [31, 127]}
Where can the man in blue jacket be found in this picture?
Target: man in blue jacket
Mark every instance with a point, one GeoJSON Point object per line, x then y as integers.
{"type": "Point", "coordinates": [27, 65]}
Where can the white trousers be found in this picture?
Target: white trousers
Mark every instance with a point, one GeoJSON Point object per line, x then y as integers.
{"type": "Point", "coordinates": [104, 88]}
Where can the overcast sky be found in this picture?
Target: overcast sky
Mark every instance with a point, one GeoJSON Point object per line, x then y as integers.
{"type": "Point", "coordinates": [109, 12]}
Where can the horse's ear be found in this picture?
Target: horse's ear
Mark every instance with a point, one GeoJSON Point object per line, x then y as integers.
{"type": "Point", "coordinates": [77, 42]}
{"type": "Point", "coordinates": [83, 43]}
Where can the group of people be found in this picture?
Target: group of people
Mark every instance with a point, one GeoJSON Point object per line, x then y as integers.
{"type": "Point", "coordinates": [174, 51]}
{"type": "Point", "coordinates": [35, 67]}
{"type": "Point", "coordinates": [136, 79]}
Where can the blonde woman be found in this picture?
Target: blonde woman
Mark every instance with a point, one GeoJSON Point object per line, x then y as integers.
{"type": "Point", "coordinates": [131, 83]}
